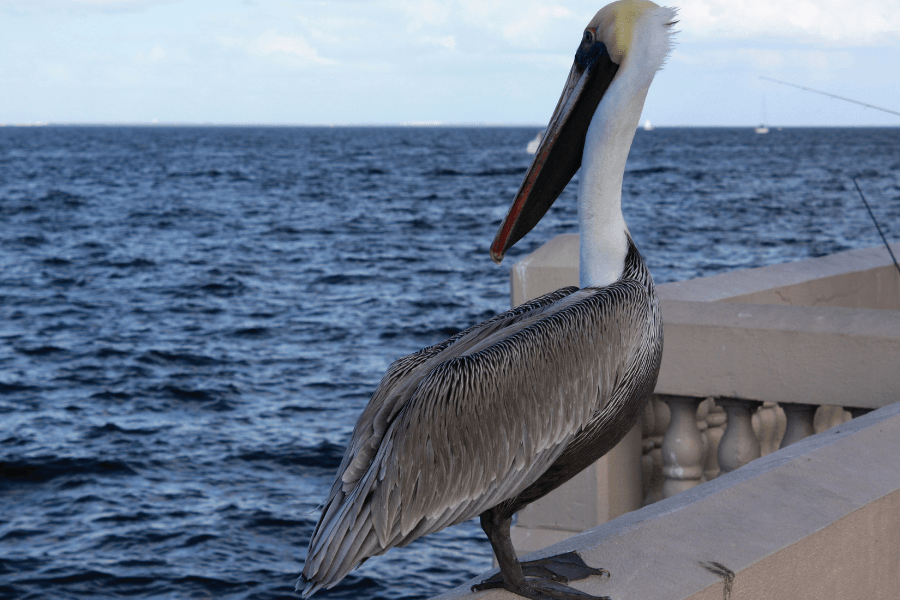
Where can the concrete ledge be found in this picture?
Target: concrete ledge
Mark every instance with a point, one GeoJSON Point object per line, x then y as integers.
{"type": "Point", "coordinates": [863, 278]}
{"type": "Point", "coordinates": [776, 353]}
{"type": "Point", "coordinates": [818, 519]}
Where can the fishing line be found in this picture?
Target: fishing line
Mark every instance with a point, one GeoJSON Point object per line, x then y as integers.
{"type": "Point", "coordinates": [858, 189]}
{"type": "Point", "coordinates": [809, 89]}
{"type": "Point", "coordinates": [878, 227]}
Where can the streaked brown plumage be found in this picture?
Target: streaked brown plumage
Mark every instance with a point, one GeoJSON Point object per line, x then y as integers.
{"type": "Point", "coordinates": [557, 403]}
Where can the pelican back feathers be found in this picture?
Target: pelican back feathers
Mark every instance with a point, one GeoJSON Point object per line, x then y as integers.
{"type": "Point", "coordinates": [478, 420]}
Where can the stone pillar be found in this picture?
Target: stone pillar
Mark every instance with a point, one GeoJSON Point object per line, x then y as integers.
{"type": "Point", "coordinates": [769, 424]}
{"type": "Point", "coordinates": [682, 447]}
{"type": "Point", "coordinates": [739, 444]}
{"type": "Point", "coordinates": [828, 416]}
{"type": "Point", "coordinates": [715, 421]}
{"type": "Point", "coordinates": [799, 422]}
{"type": "Point", "coordinates": [655, 421]}
{"type": "Point", "coordinates": [703, 426]}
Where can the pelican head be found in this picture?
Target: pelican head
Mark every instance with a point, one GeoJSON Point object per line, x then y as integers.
{"type": "Point", "coordinates": [619, 53]}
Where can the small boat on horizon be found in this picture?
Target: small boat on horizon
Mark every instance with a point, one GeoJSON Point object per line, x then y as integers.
{"type": "Point", "coordinates": [763, 127]}
{"type": "Point", "coordinates": [647, 125]}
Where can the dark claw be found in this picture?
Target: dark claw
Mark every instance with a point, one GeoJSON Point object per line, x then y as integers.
{"type": "Point", "coordinates": [546, 578]}
{"type": "Point", "coordinates": [566, 567]}
{"type": "Point", "coordinates": [562, 592]}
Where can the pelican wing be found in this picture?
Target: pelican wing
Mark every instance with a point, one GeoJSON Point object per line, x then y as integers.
{"type": "Point", "coordinates": [404, 375]}
{"type": "Point", "coordinates": [458, 427]}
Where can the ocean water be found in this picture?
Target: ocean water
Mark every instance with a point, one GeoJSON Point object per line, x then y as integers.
{"type": "Point", "coordinates": [192, 318]}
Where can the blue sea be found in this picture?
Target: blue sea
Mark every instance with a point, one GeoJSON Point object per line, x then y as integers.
{"type": "Point", "coordinates": [192, 318]}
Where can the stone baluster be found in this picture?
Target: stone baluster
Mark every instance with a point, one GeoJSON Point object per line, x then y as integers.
{"type": "Point", "coordinates": [682, 446]}
{"type": "Point", "coordinates": [799, 422]}
{"type": "Point", "coordinates": [828, 416]}
{"type": "Point", "coordinates": [703, 426]}
{"type": "Point", "coordinates": [739, 444]}
{"type": "Point", "coordinates": [655, 421]}
{"type": "Point", "coordinates": [715, 421]}
{"type": "Point", "coordinates": [769, 424]}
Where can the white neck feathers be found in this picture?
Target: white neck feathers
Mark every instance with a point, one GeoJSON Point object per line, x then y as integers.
{"type": "Point", "coordinates": [604, 241]}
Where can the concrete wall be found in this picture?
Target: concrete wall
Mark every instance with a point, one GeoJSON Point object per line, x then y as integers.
{"type": "Point", "coordinates": [817, 520]}
{"type": "Point", "coordinates": [864, 278]}
{"type": "Point", "coordinates": [798, 354]}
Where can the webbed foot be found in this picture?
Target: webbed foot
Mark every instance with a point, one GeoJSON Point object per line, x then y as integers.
{"type": "Point", "coordinates": [546, 578]}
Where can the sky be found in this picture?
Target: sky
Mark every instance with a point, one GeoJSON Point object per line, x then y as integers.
{"type": "Point", "coordinates": [429, 61]}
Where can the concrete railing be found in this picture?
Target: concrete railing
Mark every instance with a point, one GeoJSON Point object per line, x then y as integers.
{"type": "Point", "coordinates": [752, 360]}
{"type": "Point", "coordinates": [818, 519]}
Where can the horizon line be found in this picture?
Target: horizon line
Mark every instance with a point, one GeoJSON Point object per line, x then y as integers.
{"type": "Point", "coordinates": [435, 124]}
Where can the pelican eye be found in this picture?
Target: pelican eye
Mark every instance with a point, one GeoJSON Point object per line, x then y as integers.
{"type": "Point", "coordinates": [588, 37]}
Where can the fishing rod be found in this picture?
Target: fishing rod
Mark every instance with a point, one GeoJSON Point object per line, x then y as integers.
{"type": "Point", "coordinates": [871, 214]}
{"type": "Point", "coordinates": [809, 89]}
{"type": "Point", "coordinates": [858, 189]}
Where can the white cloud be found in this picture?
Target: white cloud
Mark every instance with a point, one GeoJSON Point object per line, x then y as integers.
{"type": "Point", "coordinates": [80, 7]}
{"type": "Point", "coordinates": [58, 73]}
{"type": "Point", "coordinates": [422, 14]}
{"type": "Point", "coordinates": [156, 54]}
{"type": "Point", "coordinates": [112, 2]}
{"type": "Point", "coordinates": [447, 41]}
{"type": "Point", "coordinates": [272, 44]}
{"type": "Point", "coordinates": [531, 28]}
{"type": "Point", "coordinates": [447, 60]}
{"type": "Point", "coordinates": [764, 60]}
{"type": "Point", "coordinates": [862, 22]}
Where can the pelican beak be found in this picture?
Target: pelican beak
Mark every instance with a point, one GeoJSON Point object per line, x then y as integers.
{"type": "Point", "coordinates": [559, 155]}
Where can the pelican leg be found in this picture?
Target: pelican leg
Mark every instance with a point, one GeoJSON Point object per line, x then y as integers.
{"type": "Point", "coordinates": [541, 579]}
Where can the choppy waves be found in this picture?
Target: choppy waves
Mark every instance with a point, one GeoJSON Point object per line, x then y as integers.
{"type": "Point", "coordinates": [191, 320]}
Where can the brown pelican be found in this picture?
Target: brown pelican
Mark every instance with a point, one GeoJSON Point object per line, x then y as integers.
{"type": "Point", "coordinates": [504, 412]}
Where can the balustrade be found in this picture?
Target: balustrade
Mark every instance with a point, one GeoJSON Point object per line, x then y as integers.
{"type": "Point", "coordinates": [688, 439]}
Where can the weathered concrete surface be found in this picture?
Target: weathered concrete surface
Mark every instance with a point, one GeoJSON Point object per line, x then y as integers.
{"type": "Point", "coordinates": [796, 354]}
{"type": "Point", "coordinates": [818, 519]}
{"type": "Point", "coordinates": [863, 278]}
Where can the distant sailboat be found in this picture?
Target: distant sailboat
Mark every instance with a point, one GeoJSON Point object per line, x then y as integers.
{"type": "Point", "coordinates": [763, 127]}
{"type": "Point", "coordinates": [647, 125]}
{"type": "Point", "coordinates": [532, 146]}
